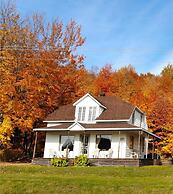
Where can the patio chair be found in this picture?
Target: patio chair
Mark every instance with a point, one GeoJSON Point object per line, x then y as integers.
{"type": "Point", "coordinates": [65, 152]}
{"type": "Point", "coordinates": [52, 153]}
{"type": "Point", "coordinates": [96, 153]}
{"type": "Point", "coordinates": [110, 153]}
{"type": "Point", "coordinates": [134, 154]}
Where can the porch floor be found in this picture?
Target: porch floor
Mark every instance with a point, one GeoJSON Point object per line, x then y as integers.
{"type": "Point", "coordinates": [105, 162]}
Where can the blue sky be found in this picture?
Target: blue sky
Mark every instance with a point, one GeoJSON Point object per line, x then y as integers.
{"type": "Point", "coordinates": [118, 32]}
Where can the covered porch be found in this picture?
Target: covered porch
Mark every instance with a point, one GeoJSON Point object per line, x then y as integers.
{"type": "Point", "coordinates": [99, 144]}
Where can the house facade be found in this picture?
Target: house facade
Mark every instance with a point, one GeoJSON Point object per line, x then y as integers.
{"type": "Point", "coordinates": [102, 127]}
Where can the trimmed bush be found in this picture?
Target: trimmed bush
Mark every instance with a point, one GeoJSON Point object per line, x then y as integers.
{"type": "Point", "coordinates": [81, 160]}
{"type": "Point", "coordinates": [59, 162]}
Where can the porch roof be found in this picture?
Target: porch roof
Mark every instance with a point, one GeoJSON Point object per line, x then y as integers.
{"type": "Point", "coordinates": [116, 125]}
{"type": "Point", "coordinates": [119, 126]}
{"type": "Point", "coordinates": [95, 126]}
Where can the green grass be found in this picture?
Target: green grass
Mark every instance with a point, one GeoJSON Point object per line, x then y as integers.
{"type": "Point", "coordinates": [22, 179]}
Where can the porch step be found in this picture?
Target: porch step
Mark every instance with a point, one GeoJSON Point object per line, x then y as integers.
{"type": "Point", "coordinates": [41, 161]}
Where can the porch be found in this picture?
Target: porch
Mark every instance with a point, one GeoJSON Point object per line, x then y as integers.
{"type": "Point", "coordinates": [105, 162]}
{"type": "Point", "coordinates": [100, 145]}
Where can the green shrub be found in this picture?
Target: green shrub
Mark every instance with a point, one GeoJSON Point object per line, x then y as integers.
{"type": "Point", "coordinates": [59, 162]}
{"type": "Point", "coordinates": [81, 160]}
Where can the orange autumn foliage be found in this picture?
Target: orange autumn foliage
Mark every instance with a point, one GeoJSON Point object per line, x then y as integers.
{"type": "Point", "coordinates": [40, 69]}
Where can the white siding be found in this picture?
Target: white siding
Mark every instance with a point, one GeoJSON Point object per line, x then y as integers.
{"type": "Point", "coordinates": [88, 102]}
{"type": "Point", "coordinates": [144, 125]}
{"type": "Point", "coordinates": [115, 145]}
{"type": "Point", "coordinates": [76, 127]}
{"type": "Point", "coordinates": [137, 118]}
{"type": "Point", "coordinates": [92, 145]}
{"type": "Point", "coordinates": [77, 146]}
{"type": "Point", "coordinates": [118, 146]}
{"type": "Point", "coordinates": [51, 144]}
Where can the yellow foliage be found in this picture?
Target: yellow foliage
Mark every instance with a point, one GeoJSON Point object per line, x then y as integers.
{"type": "Point", "coordinates": [5, 131]}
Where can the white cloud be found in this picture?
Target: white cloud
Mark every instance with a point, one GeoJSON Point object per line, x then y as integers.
{"type": "Point", "coordinates": [159, 65]}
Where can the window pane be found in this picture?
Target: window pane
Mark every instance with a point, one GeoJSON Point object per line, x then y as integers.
{"type": "Point", "coordinates": [67, 142]}
{"type": "Point", "coordinates": [90, 113]}
{"type": "Point", "coordinates": [79, 113]}
{"type": "Point", "coordinates": [103, 142]}
{"type": "Point", "coordinates": [83, 113]}
{"type": "Point", "coordinates": [94, 114]}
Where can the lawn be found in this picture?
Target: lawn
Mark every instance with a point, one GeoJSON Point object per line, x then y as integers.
{"type": "Point", "coordinates": [22, 179]}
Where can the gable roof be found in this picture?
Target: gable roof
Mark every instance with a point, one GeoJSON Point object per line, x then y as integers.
{"type": "Point", "coordinates": [116, 109]}
{"type": "Point", "coordinates": [93, 98]}
{"type": "Point", "coordinates": [63, 113]}
{"type": "Point", "coordinates": [76, 124]}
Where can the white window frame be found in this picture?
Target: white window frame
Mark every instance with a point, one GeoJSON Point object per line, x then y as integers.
{"type": "Point", "coordinates": [81, 113]}
{"type": "Point", "coordinates": [92, 113]}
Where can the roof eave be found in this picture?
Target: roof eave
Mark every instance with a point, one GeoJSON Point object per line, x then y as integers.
{"type": "Point", "coordinates": [74, 104]}
{"type": "Point", "coordinates": [58, 121]}
{"type": "Point", "coordinates": [117, 120]}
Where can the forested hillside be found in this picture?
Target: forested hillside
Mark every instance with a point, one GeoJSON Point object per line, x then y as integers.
{"type": "Point", "coordinates": [41, 69]}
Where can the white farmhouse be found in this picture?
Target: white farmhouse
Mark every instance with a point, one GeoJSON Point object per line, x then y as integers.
{"type": "Point", "coordinates": [102, 127]}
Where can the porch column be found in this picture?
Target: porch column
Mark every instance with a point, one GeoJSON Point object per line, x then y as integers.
{"type": "Point", "coordinates": [153, 148]}
{"type": "Point", "coordinates": [35, 144]}
{"type": "Point", "coordinates": [146, 148]}
{"type": "Point", "coordinates": [84, 142]}
{"type": "Point", "coordinates": [139, 144]}
{"type": "Point", "coordinates": [157, 157]}
{"type": "Point", "coordinates": [119, 144]}
{"type": "Point", "coordinates": [67, 151]}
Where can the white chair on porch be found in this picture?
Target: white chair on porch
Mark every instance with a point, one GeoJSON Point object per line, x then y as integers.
{"type": "Point", "coordinates": [96, 153]}
{"type": "Point", "coordinates": [65, 153]}
{"type": "Point", "coordinates": [134, 153]}
{"type": "Point", "coordinates": [109, 153]}
{"type": "Point", "coordinates": [52, 153]}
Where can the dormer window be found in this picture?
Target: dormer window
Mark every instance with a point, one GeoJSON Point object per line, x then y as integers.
{"type": "Point", "coordinates": [81, 113]}
{"type": "Point", "coordinates": [92, 113]}
{"type": "Point", "coordinates": [86, 113]}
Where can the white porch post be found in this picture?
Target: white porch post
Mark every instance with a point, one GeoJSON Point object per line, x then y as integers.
{"type": "Point", "coordinates": [35, 145]}
{"type": "Point", "coordinates": [139, 143]}
{"type": "Point", "coordinates": [157, 156]}
{"type": "Point", "coordinates": [153, 149]}
{"type": "Point", "coordinates": [146, 148]}
{"type": "Point", "coordinates": [119, 144]}
{"type": "Point", "coordinates": [67, 152]}
{"type": "Point", "coordinates": [83, 143]}
{"type": "Point", "coordinates": [92, 145]}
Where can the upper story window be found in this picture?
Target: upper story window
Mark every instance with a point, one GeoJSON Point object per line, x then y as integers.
{"type": "Point", "coordinates": [138, 119]}
{"type": "Point", "coordinates": [92, 113]}
{"type": "Point", "coordinates": [141, 120]}
{"type": "Point", "coordinates": [86, 113]}
{"type": "Point", "coordinates": [81, 113]}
